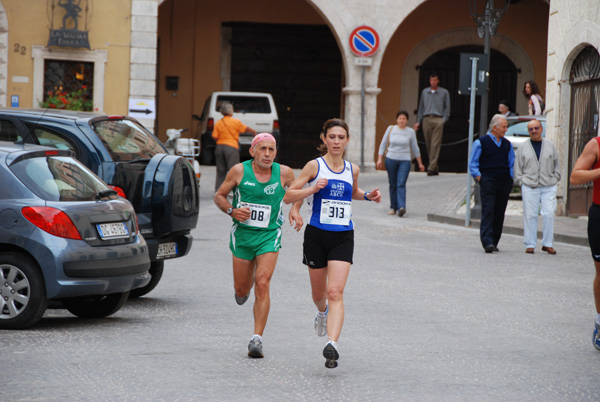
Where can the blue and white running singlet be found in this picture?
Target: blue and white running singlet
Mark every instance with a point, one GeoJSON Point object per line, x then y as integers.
{"type": "Point", "coordinates": [331, 207]}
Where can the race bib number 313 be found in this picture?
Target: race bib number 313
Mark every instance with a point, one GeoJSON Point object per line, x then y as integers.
{"type": "Point", "coordinates": [260, 215]}
{"type": "Point", "coordinates": [336, 212]}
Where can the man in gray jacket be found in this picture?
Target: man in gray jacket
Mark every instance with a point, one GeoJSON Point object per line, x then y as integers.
{"type": "Point", "coordinates": [537, 171]}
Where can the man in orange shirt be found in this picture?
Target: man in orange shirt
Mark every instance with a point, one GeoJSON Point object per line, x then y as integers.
{"type": "Point", "coordinates": [227, 133]}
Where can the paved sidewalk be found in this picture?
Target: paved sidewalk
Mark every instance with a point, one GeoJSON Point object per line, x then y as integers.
{"type": "Point", "coordinates": [571, 230]}
{"type": "Point", "coordinates": [441, 199]}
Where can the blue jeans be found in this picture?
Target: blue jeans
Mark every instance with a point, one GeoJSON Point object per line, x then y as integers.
{"type": "Point", "coordinates": [397, 176]}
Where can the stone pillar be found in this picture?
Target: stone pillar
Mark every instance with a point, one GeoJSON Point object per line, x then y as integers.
{"type": "Point", "coordinates": [142, 74]}
{"type": "Point", "coordinates": [352, 113]}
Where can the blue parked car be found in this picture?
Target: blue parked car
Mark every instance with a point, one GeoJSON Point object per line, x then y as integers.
{"type": "Point", "coordinates": [64, 236]}
{"type": "Point", "coordinates": [162, 188]}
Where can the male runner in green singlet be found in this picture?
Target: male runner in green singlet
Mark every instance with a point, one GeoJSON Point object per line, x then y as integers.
{"type": "Point", "coordinates": [259, 186]}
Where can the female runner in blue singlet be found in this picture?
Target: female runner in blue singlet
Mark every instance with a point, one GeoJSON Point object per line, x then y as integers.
{"type": "Point", "coordinates": [329, 235]}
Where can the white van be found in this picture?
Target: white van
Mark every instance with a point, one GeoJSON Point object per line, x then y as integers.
{"type": "Point", "coordinates": [254, 109]}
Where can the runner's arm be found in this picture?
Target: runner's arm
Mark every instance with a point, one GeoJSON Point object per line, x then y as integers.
{"type": "Point", "coordinates": [360, 194]}
{"type": "Point", "coordinates": [296, 192]}
{"type": "Point", "coordinates": [233, 178]}
{"type": "Point", "coordinates": [295, 218]}
{"type": "Point", "coordinates": [581, 171]}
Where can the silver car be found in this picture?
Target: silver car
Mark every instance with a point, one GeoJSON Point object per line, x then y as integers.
{"type": "Point", "coordinates": [64, 236]}
{"type": "Point", "coordinates": [517, 129]}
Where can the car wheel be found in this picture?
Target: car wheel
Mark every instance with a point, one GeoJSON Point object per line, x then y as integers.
{"type": "Point", "coordinates": [22, 292]}
{"type": "Point", "coordinates": [96, 306]}
{"type": "Point", "coordinates": [156, 270]}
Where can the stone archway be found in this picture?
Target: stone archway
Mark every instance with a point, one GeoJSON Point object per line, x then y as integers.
{"type": "Point", "coordinates": [459, 37]}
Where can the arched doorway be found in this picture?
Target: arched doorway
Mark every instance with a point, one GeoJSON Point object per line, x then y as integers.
{"type": "Point", "coordinates": [301, 66]}
{"type": "Point", "coordinates": [503, 86]}
{"type": "Point", "coordinates": [585, 105]}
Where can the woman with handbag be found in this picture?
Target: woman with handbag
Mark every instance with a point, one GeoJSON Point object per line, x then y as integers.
{"type": "Point", "coordinates": [399, 140]}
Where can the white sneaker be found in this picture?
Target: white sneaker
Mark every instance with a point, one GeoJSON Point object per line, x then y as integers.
{"type": "Point", "coordinates": [255, 348]}
{"type": "Point", "coordinates": [331, 355]}
{"type": "Point", "coordinates": [321, 323]}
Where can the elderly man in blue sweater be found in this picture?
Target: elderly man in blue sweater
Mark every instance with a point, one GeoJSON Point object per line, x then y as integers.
{"type": "Point", "coordinates": [491, 164]}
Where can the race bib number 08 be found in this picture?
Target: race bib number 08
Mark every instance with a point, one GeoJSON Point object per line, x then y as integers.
{"type": "Point", "coordinates": [336, 212]}
{"type": "Point", "coordinates": [260, 215]}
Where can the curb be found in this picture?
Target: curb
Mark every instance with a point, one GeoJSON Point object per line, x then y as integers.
{"type": "Point", "coordinates": [558, 237]}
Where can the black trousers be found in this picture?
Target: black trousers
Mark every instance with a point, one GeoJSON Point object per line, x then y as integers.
{"type": "Point", "coordinates": [494, 198]}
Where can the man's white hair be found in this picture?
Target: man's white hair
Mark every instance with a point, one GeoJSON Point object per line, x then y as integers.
{"type": "Point", "coordinates": [496, 121]}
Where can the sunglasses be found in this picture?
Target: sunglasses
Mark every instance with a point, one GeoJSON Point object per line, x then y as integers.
{"type": "Point", "coordinates": [533, 128]}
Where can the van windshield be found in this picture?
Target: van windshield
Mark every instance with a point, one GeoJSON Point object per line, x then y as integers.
{"type": "Point", "coordinates": [244, 104]}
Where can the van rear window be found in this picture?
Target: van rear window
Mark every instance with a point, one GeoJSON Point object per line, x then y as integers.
{"type": "Point", "coordinates": [245, 104]}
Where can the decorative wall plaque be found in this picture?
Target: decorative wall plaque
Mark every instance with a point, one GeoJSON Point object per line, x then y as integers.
{"type": "Point", "coordinates": [67, 18]}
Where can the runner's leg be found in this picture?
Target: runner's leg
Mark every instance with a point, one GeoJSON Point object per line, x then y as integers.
{"type": "Point", "coordinates": [318, 285]}
{"type": "Point", "coordinates": [243, 275]}
{"type": "Point", "coordinates": [337, 274]}
{"type": "Point", "coordinates": [265, 266]}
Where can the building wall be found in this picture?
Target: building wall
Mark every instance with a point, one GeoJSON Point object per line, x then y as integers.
{"type": "Point", "coordinates": [28, 27]}
{"type": "Point", "coordinates": [190, 42]}
{"type": "Point", "coordinates": [447, 26]}
{"type": "Point", "coordinates": [572, 27]}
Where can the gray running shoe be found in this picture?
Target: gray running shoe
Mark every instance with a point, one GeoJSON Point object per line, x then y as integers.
{"type": "Point", "coordinates": [321, 323]}
{"type": "Point", "coordinates": [255, 348]}
{"type": "Point", "coordinates": [241, 300]}
{"type": "Point", "coordinates": [331, 355]}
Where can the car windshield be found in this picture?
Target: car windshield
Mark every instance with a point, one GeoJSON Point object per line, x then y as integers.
{"type": "Point", "coordinates": [126, 140]}
{"type": "Point", "coordinates": [245, 104]}
{"type": "Point", "coordinates": [58, 178]}
{"type": "Point", "coordinates": [519, 129]}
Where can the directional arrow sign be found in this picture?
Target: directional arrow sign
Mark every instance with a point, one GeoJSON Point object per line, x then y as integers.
{"type": "Point", "coordinates": [147, 111]}
{"type": "Point", "coordinates": [142, 109]}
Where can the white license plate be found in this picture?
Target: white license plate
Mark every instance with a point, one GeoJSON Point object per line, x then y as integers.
{"type": "Point", "coordinates": [112, 230]}
{"type": "Point", "coordinates": [166, 250]}
{"type": "Point", "coordinates": [246, 140]}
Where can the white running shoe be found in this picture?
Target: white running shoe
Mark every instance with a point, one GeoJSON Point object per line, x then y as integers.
{"type": "Point", "coordinates": [255, 348]}
{"type": "Point", "coordinates": [331, 355]}
{"type": "Point", "coordinates": [321, 323]}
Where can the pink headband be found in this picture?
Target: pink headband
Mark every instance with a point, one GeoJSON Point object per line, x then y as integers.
{"type": "Point", "coordinates": [261, 137]}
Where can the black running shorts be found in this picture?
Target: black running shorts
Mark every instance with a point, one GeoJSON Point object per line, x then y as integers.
{"type": "Point", "coordinates": [321, 246]}
{"type": "Point", "coordinates": [594, 231]}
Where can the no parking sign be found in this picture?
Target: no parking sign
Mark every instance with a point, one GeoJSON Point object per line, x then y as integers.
{"type": "Point", "coordinates": [364, 41]}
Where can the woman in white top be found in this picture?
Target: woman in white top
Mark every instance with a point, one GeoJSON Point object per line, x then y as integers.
{"type": "Point", "coordinates": [535, 107]}
{"type": "Point", "coordinates": [399, 140]}
{"type": "Point", "coordinates": [329, 235]}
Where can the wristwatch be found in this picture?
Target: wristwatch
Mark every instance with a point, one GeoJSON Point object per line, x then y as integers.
{"type": "Point", "coordinates": [229, 210]}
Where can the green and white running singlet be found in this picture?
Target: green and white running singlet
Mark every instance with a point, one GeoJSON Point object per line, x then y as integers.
{"type": "Point", "coordinates": [264, 199]}
{"type": "Point", "coordinates": [261, 233]}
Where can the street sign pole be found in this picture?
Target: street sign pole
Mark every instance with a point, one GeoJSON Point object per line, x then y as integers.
{"type": "Point", "coordinates": [362, 118]}
{"type": "Point", "coordinates": [364, 41]}
{"type": "Point", "coordinates": [473, 90]}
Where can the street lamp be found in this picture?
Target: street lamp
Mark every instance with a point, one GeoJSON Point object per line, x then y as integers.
{"type": "Point", "coordinates": [487, 25]}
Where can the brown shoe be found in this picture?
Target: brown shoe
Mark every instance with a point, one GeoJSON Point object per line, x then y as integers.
{"type": "Point", "coordinates": [549, 250]}
{"type": "Point", "coordinates": [529, 250]}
